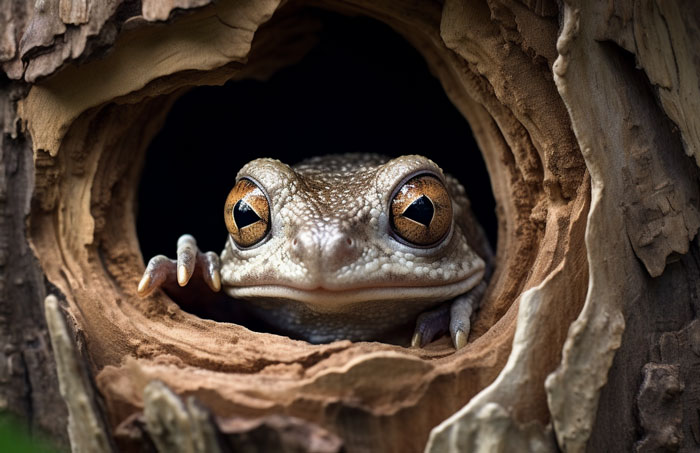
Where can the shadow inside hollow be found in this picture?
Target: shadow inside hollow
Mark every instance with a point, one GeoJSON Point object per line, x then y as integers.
{"type": "Point", "coordinates": [367, 92]}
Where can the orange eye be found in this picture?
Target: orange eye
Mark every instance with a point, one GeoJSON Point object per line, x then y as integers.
{"type": "Point", "coordinates": [247, 213]}
{"type": "Point", "coordinates": [421, 211]}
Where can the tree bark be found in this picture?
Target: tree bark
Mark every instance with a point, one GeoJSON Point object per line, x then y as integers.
{"type": "Point", "coordinates": [588, 118]}
{"type": "Point", "coordinates": [28, 384]}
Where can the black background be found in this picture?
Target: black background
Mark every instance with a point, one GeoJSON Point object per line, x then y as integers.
{"type": "Point", "coordinates": [362, 88]}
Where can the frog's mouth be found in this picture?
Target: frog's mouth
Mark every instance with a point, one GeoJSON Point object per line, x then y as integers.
{"type": "Point", "coordinates": [329, 300]}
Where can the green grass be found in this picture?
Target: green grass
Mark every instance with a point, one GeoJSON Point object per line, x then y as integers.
{"type": "Point", "coordinates": [15, 438]}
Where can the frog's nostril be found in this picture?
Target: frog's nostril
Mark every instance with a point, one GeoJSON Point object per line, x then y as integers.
{"type": "Point", "coordinates": [339, 251]}
{"type": "Point", "coordinates": [325, 251]}
{"type": "Point", "coordinates": [304, 246]}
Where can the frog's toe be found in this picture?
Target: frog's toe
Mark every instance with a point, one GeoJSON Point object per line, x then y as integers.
{"type": "Point", "coordinates": [210, 265]}
{"type": "Point", "coordinates": [460, 324]}
{"type": "Point", "coordinates": [155, 275]}
{"type": "Point", "coordinates": [459, 333]}
{"type": "Point", "coordinates": [460, 314]}
{"type": "Point", "coordinates": [430, 325]}
{"type": "Point", "coordinates": [186, 258]}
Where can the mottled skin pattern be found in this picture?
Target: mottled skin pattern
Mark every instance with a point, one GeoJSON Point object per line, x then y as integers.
{"type": "Point", "coordinates": [332, 268]}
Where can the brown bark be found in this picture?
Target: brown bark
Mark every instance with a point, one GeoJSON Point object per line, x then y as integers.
{"type": "Point", "coordinates": [28, 385]}
{"type": "Point", "coordinates": [587, 117]}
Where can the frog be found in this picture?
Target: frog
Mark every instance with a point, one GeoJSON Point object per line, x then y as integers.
{"type": "Point", "coordinates": [357, 246]}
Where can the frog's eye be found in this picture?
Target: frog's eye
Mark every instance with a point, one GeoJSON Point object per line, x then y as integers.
{"type": "Point", "coordinates": [247, 213]}
{"type": "Point", "coordinates": [421, 211]}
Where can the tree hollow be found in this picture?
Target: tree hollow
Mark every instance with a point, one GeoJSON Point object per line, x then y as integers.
{"type": "Point", "coordinates": [91, 125]}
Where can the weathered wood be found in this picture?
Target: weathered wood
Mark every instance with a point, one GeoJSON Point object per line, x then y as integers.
{"type": "Point", "coordinates": [177, 426]}
{"type": "Point", "coordinates": [28, 383]}
{"type": "Point", "coordinates": [643, 218]}
{"type": "Point", "coordinates": [86, 428]}
{"type": "Point", "coordinates": [587, 115]}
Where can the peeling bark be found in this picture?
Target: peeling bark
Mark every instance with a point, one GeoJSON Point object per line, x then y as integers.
{"type": "Point", "coordinates": [86, 428]}
{"type": "Point", "coordinates": [643, 219]}
{"type": "Point", "coordinates": [587, 114]}
{"type": "Point", "coordinates": [28, 383]}
{"type": "Point", "coordinates": [660, 411]}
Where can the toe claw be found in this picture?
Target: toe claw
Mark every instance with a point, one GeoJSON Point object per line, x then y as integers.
{"type": "Point", "coordinates": [460, 339]}
{"type": "Point", "coordinates": [216, 281]}
{"type": "Point", "coordinates": [154, 276]}
{"type": "Point", "coordinates": [210, 265]}
{"type": "Point", "coordinates": [144, 285]}
{"type": "Point", "coordinates": [182, 275]}
{"type": "Point", "coordinates": [417, 340]}
{"type": "Point", "coordinates": [186, 258]}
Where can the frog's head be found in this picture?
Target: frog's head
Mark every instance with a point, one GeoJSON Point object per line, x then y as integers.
{"type": "Point", "coordinates": [334, 231]}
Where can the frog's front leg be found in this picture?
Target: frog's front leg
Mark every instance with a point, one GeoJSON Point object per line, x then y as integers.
{"type": "Point", "coordinates": [454, 316]}
{"type": "Point", "coordinates": [198, 272]}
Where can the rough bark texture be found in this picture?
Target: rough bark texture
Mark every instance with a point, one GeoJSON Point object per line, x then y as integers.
{"type": "Point", "coordinates": [588, 117]}
{"type": "Point", "coordinates": [28, 384]}
{"type": "Point", "coordinates": [643, 217]}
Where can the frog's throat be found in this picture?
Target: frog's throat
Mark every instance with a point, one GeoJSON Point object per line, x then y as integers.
{"type": "Point", "coordinates": [322, 299]}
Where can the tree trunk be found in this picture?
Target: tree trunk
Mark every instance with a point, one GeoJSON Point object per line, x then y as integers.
{"type": "Point", "coordinates": [588, 118]}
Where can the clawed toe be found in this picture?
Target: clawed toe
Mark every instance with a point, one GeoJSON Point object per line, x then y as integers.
{"type": "Point", "coordinates": [430, 325]}
{"type": "Point", "coordinates": [155, 275]}
{"type": "Point", "coordinates": [459, 338]}
{"type": "Point", "coordinates": [461, 312]}
{"type": "Point", "coordinates": [460, 324]}
{"type": "Point", "coordinates": [186, 258]}
{"type": "Point", "coordinates": [210, 265]}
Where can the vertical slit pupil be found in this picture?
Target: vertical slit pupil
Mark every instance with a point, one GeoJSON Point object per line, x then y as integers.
{"type": "Point", "coordinates": [421, 210]}
{"type": "Point", "coordinates": [244, 215]}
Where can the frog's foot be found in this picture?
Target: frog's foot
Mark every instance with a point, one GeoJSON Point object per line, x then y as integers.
{"type": "Point", "coordinates": [453, 316]}
{"type": "Point", "coordinates": [430, 325]}
{"type": "Point", "coordinates": [169, 274]}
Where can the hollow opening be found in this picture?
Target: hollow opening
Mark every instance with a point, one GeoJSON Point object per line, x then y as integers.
{"type": "Point", "coordinates": [369, 92]}
{"type": "Point", "coordinates": [83, 226]}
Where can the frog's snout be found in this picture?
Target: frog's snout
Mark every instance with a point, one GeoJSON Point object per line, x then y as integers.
{"type": "Point", "coordinates": [326, 250]}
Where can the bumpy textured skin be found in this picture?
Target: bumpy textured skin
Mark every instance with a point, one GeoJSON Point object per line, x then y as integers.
{"type": "Point", "coordinates": [331, 268]}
